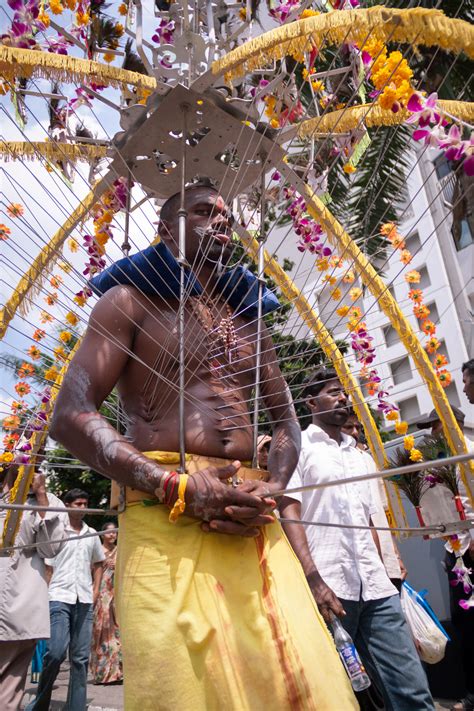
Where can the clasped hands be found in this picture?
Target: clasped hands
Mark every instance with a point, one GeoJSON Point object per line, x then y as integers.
{"type": "Point", "coordinates": [237, 510]}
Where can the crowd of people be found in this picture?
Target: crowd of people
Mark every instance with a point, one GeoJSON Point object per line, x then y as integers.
{"type": "Point", "coordinates": [224, 590]}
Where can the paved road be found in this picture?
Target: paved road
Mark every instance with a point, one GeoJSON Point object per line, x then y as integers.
{"type": "Point", "coordinates": [110, 696]}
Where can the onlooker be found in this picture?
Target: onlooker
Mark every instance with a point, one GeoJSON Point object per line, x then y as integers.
{"type": "Point", "coordinates": [463, 620]}
{"type": "Point", "coordinates": [389, 552]}
{"type": "Point", "coordinates": [23, 588]}
{"type": "Point", "coordinates": [344, 563]}
{"type": "Point", "coordinates": [106, 656]}
{"type": "Point", "coordinates": [75, 581]}
{"type": "Point", "coordinates": [468, 379]}
{"type": "Point", "coordinates": [263, 450]}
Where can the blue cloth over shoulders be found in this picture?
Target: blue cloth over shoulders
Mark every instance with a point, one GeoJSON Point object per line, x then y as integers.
{"type": "Point", "coordinates": [155, 272]}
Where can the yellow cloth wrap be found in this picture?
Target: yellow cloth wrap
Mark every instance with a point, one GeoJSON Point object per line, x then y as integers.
{"type": "Point", "coordinates": [180, 504]}
{"type": "Point", "coordinates": [211, 621]}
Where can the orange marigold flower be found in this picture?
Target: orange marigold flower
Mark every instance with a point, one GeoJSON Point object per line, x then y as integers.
{"type": "Point", "coordinates": [413, 277]}
{"type": "Point", "coordinates": [392, 415]}
{"type": "Point", "coordinates": [4, 232]}
{"type": "Point", "coordinates": [416, 455]}
{"type": "Point", "coordinates": [349, 277]}
{"type": "Point", "coordinates": [349, 168]}
{"type": "Point", "coordinates": [60, 353]}
{"type": "Point", "coordinates": [65, 336]}
{"type": "Point", "coordinates": [80, 299]}
{"type": "Point", "coordinates": [15, 209]}
{"type": "Point", "coordinates": [6, 457]}
{"type": "Point", "coordinates": [322, 264]}
{"type": "Point", "coordinates": [388, 229]}
{"type": "Point", "coordinates": [45, 317]}
{"type": "Point", "coordinates": [432, 345]}
{"type": "Point", "coordinates": [440, 361]}
{"type": "Point", "coordinates": [329, 279]}
{"type": "Point", "coordinates": [12, 422]}
{"type": "Point", "coordinates": [355, 293]}
{"type": "Point", "coordinates": [65, 267]}
{"type": "Point", "coordinates": [336, 262]}
{"type": "Point", "coordinates": [408, 442]}
{"type": "Point", "coordinates": [309, 13]}
{"type": "Point", "coordinates": [406, 256]}
{"type": "Point", "coordinates": [372, 387]}
{"type": "Point", "coordinates": [51, 373]}
{"type": "Point", "coordinates": [416, 295]}
{"type": "Point", "coordinates": [336, 294]}
{"type": "Point", "coordinates": [401, 428]}
{"type": "Point", "coordinates": [421, 311]}
{"type": "Point", "coordinates": [51, 299]}
{"type": "Point", "coordinates": [82, 18]}
{"type": "Point", "coordinates": [355, 312]}
{"type": "Point", "coordinates": [397, 242]}
{"type": "Point", "coordinates": [72, 244]}
{"type": "Point", "coordinates": [428, 327]}
{"type": "Point", "coordinates": [39, 334]}
{"type": "Point", "coordinates": [34, 352]}
{"type": "Point", "coordinates": [10, 440]}
{"type": "Point", "coordinates": [342, 311]}
{"type": "Point", "coordinates": [25, 370]}
{"type": "Point", "coordinates": [71, 318]}
{"type": "Point", "coordinates": [18, 406]}
{"type": "Point", "coordinates": [444, 377]}
{"type": "Point", "coordinates": [22, 388]}
{"type": "Point", "coordinates": [123, 9]}
{"type": "Point", "coordinates": [108, 57]}
{"type": "Point", "coordinates": [56, 281]}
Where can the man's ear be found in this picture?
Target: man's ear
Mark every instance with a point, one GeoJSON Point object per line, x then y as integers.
{"type": "Point", "coordinates": [312, 404]}
{"type": "Point", "coordinates": [164, 231]}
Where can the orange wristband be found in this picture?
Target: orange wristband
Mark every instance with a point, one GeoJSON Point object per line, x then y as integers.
{"type": "Point", "coordinates": [180, 503]}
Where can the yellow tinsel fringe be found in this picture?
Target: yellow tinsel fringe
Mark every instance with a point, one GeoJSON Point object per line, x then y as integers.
{"type": "Point", "coordinates": [50, 150]}
{"type": "Point", "coordinates": [372, 115]}
{"type": "Point", "coordinates": [415, 26]}
{"type": "Point", "coordinates": [31, 282]}
{"type": "Point", "coordinates": [16, 62]}
{"type": "Point", "coordinates": [332, 353]}
{"type": "Point", "coordinates": [343, 242]}
{"type": "Point", "coordinates": [21, 487]}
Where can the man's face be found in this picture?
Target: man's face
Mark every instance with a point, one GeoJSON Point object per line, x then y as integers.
{"type": "Point", "coordinates": [436, 428]}
{"type": "Point", "coordinates": [208, 228]}
{"type": "Point", "coordinates": [468, 381]}
{"type": "Point", "coordinates": [330, 405]}
{"type": "Point", "coordinates": [352, 427]}
{"type": "Point", "coordinates": [75, 509]}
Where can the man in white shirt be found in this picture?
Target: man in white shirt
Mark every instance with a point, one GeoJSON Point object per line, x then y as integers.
{"type": "Point", "coordinates": [342, 565]}
{"type": "Point", "coordinates": [74, 586]}
{"type": "Point", "coordinates": [463, 620]}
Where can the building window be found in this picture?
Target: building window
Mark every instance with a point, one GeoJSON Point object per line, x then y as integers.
{"type": "Point", "coordinates": [409, 409]}
{"type": "Point", "coordinates": [401, 371]}
{"type": "Point", "coordinates": [413, 243]}
{"type": "Point", "coordinates": [390, 335]}
{"type": "Point", "coordinates": [424, 279]}
{"type": "Point", "coordinates": [463, 235]}
{"type": "Point", "coordinates": [434, 315]}
{"type": "Point", "coordinates": [452, 395]}
{"type": "Point", "coordinates": [442, 166]}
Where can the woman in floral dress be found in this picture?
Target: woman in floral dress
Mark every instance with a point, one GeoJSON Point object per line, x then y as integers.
{"type": "Point", "coordinates": [106, 655]}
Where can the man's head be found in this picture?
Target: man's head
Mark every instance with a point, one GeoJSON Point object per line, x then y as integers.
{"type": "Point", "coordinates": [352, 426]}
{"type": "Point", "coordinates": [76, 500]}
{"type": "Point", "coordinates": [468, 379]}
{"type": "Point", "coordinates": [208, 224]}
{"type": "Point", "coordinates": [326, 399]}
{"type": "Point", "coordinates": [263, 450]}
{"type": "Point", "coordinates": [433, 422]}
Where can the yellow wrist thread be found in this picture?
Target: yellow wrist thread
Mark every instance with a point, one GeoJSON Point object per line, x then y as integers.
{"type": "Point", "coordinates": [180, 503]}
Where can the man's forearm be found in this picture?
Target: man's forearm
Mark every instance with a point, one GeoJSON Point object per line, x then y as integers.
{"type": "Point", "coordinates": [90, 438]}
{"type": "Point", "coordinates": [284, 452]}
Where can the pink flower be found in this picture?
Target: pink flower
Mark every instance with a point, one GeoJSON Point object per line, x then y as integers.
{"type": "Point", "coordinates": [424, 111]}
{"type": "Point", "coordinates": [453, 146]}
{"type": "Point", "coordinates": [467, 604]}
{"type": "Point", "coordinates": [431, 135]}
{"type": "Point", "coordinates": [468, 164]}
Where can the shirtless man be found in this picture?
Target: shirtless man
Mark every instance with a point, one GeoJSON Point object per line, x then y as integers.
{"type": "Point", "coordinates": [179, 588]}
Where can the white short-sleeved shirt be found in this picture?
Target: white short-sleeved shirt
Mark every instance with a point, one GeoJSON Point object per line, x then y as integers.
{"type": "Point", "coordinates": [347, 559]}
{"type": "Point", "coordinates": [72, 577]}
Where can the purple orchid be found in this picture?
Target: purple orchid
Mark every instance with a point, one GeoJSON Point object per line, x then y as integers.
{"type": "Point", "coordinates": [164, 32]}
{"type": "Point", "coordinates": [453, 145]}
{"type": "Point", "coordinates": [468, 164]}
{"type": "Point", "coordinates": [462, 574]}
{"type": "Point", "coordinates": [424, 111]}
{"type": "Point", "coordinates": [467, 604]}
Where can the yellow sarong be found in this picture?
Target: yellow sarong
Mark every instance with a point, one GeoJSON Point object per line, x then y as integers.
{"type": "Point", "coordinates": [218, 622]}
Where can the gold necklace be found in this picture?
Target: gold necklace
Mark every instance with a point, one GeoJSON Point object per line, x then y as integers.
{"type": "Point", "coordinates": [225, 329]}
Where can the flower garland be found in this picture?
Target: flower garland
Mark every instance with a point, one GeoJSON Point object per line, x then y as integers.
{"type": "Point", "coordinates": [420, 309]}
{"type": "Point", "coordinates": [32, 419]}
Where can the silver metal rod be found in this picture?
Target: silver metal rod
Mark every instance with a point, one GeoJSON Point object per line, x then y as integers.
{"type": "Point", "coordinates": [126, 242]}
{"type": "Point", "coordinates": [182, 215]}
{"type": "Point", "coordinates": [10, 549]}
{"type": "Point", "coordinates": [384, 474]}
{"type": "Point", "coordinates": [258, 351]}
{"type": "Point", "coordinates": [57, 509]}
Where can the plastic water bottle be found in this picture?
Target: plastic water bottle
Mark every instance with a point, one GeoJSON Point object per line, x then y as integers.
{"type": "Point", "coordinates": [350, 657]}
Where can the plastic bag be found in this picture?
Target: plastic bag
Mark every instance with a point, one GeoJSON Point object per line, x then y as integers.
{"type": "Point", "coordinates": [427, 632]}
